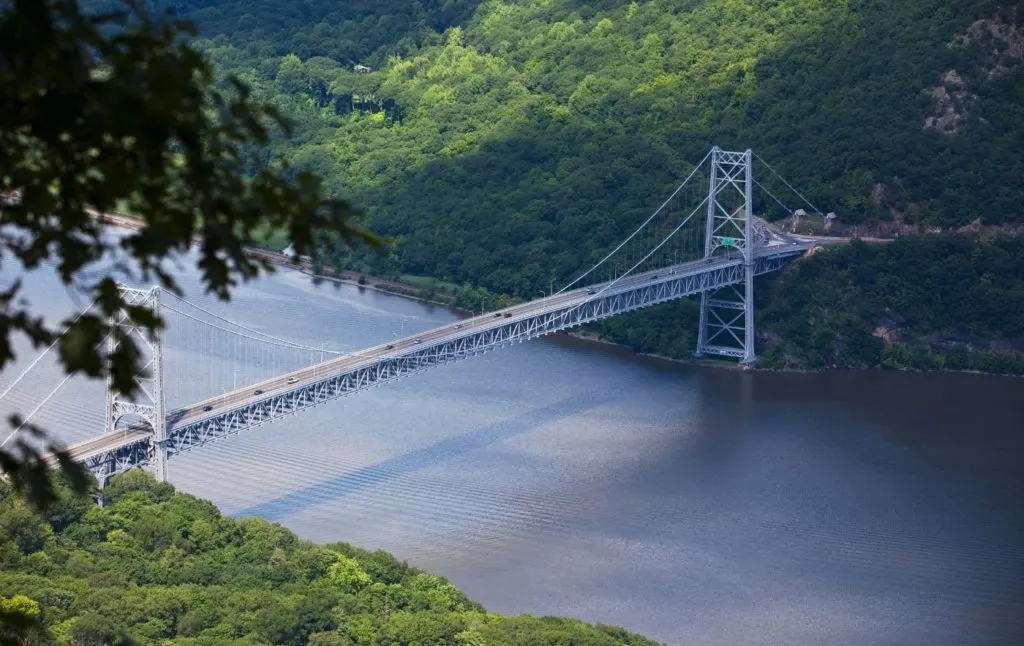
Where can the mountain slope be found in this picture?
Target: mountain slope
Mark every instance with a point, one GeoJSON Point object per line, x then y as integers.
{"type": "Point", "coordinates": [949, 302]}
{"type": "Point", "coordinates": [507, 144]}
{"type": "Point", "coordinates": [557, 113]}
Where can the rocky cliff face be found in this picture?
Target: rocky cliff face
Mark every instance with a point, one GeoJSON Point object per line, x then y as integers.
{"type": "Point", "coordinates": [992, 47]}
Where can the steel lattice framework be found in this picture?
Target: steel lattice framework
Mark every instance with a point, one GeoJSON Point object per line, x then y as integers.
{"type": "Point", "coordinates": [727, 315]}
{"type": "Point", "coordinates": [737, 248]}
{"type": "Point", "coordinates": [147, 410]}
{"type": "Point", "coordinates": [136, 447]}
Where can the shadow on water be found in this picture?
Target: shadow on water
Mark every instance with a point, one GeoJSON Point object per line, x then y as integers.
{"type": "Point", "coordinates": [387, 470]}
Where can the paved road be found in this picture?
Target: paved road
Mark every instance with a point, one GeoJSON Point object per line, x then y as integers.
{"type": "Point", "coordinates": [369, 356]}
{"type": "Point", "coordinates": [346, 363]}
{"type": "Point", "coordinates": [105, 443]}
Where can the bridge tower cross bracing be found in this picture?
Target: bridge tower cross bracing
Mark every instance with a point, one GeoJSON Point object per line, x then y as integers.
{"type": "Point", "coordinates": [148, 405]}
{"type": "Point", "coordinates": [727, 315]}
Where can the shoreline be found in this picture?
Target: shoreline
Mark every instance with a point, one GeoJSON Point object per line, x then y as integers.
{"type": "Point", "coordinates": [282, 260]}
{"type": "Point", "coordinates": [583, 336]}
{"type": "Point", "coordinates": [414, 293]}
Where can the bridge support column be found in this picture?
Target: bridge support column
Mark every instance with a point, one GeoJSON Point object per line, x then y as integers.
{"type": "Point", "coordinates": [147, 407]}
{"type": "Point", "coordinates": [749, 357]}
{"type": "Point", "coordinates": [158, 421]}
{"type": "Point", "coordinates": [727, 315]}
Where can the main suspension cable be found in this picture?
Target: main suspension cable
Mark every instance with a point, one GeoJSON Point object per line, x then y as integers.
{"type": "Point", "coordinates": [640, 228]}
{"type": "Point", "coordinates": [284, 344]}
{"type": "Point", "coordinates": [44, 352]}
{"type": "Point", "coordinates": [239, 325]}
{"type": "Point", "coordinates": [798, 193]}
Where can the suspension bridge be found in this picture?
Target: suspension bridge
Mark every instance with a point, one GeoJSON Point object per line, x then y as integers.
{"type": "Point", "coordinates": [713, 247]}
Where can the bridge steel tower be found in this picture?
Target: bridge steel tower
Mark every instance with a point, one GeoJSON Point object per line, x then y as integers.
{"type": "Point", "coordinates": [727, 314]}
{"type": "Point", "coordinates": [147, 408]}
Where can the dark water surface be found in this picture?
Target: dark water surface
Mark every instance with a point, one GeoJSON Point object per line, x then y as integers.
{"type": "Point", "coordinates": [695, 506]}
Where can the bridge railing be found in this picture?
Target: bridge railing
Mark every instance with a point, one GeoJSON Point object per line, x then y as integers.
{"type": "Point", "coordinates": [716, 226]}
{"type": "Point", "coordinates": [571, 310]}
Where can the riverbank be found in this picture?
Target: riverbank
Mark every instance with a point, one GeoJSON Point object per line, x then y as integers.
{"type": "Point", "coordinates": [558, 479]}
{"type": "Point", "coordinates": [588, 337]}
{"type": "Point", "coordinates": [397, 288]}
{"type": "Point", "coordinates": [780, 354]}
{"type": "Point", "coordinates": [370, 595]}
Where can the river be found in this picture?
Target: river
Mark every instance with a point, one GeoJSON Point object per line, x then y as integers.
{"type": "Point", "coordinates": [696, 506]}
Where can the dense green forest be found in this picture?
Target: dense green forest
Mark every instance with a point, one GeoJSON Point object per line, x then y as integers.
{"type": "Point", "coordinates": [154, 566]}
{"type": "Point", "coordinates": [505, 145]}
{"type": "Point", "coordinates": [952, 302]}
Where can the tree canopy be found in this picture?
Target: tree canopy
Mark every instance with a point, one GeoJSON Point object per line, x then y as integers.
{"type": "Point", "coordinates": [109, 107]}
{"type": "Point", "coordinates": [503, 145]}
{"type": "Point", "coordinates": [949, 302]}
{"type": "Point", "coordinates": [157, 567]}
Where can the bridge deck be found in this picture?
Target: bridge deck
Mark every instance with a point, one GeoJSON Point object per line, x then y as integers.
{"type": "Point", "coordinates": [256, 404]}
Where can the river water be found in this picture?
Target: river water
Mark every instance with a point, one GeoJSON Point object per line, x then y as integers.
{"type": "Point", "coordinates": [696, 506]}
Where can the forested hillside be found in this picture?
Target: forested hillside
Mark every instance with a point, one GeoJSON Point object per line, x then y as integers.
{"type": "Point", "coordinates": [501, 135]}
{"type": "Point", "coordinates": [949, 302]}
{"type": "Point", "coordinates": [163, 568]}
{"type": "Point", "coordinates": [503, 144]}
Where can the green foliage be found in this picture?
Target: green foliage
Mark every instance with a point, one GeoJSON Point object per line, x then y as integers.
{"type": "Point", "coordinates": [154, 566]}
{"type": "Point", "coordinates": [347, 576]}
{"type": "Point", "coordinates": [545, 631]}
{"type": "Point", "coordinates": [924, 303]}
{"type": "Point", "coordinates": [109, 108]}
{"type": "Point", "coordinates": [21, 526]}
{"type": "Point", "coordinates": [953, 302]}
{"type": "Point", "coordinates": [505, 146]}
{"type": "Point", "coordinates": [668, 330]}
{"type": "Point", "coordinates": [19, 621]}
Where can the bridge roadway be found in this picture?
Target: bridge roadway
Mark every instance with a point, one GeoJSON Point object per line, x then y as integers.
{"type": "Point", "coordinates": [123, 440]}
